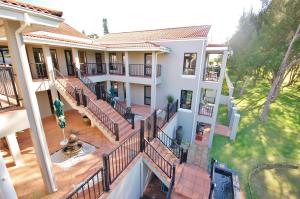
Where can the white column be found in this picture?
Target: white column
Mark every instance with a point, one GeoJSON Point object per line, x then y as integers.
{"type": "Point", "coordinates": [106, 60]}
{"type": "Point", "coordinates": [128, 94]}
{"type": "Point", "coordinates": [153, 82]}
{"type": "Point", "coordinates": [6, 186]}
{"type": "Point", "coordinates": [50, 70]}
{"type": "Point", "coordinates": [211, 134]}
{"type": "Point", "coordinates": [14, 148]}
{"type": "Point", "coordinates": [75, 58]}
{"type": "Point", "coordinates": [19, 59]}
{"type": "Point", "coordinates": [127, 84]}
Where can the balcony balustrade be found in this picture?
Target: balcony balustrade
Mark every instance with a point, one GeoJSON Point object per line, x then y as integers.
{"type": "Point", "coordinates": [38, 71]}
{"type": "Point", "coordinates": [143, 70]}
{"type": "Point", "coordinates": [206, 109]}
{"type": "Point", "coordinates": [93, 68]}
{"type": "Point", "coordinates": [116, 69]}
{"type": "Point", "coordinates": [211, 73]}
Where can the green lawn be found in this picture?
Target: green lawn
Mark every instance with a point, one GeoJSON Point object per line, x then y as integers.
{"type": "Point", "coordinates": [276, 140]}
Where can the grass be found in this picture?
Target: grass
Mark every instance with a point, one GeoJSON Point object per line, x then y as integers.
{"type": "Point", "coordinates": [273, 141]}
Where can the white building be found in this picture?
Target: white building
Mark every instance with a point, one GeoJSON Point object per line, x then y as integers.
{"type": "Point", "coordinates": [142, 68]}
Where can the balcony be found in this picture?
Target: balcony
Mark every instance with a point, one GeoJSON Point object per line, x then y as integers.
{"type": "Point", "coordinates": [93, 68]}
{"type": "Point", "coordinates": [211, 73]}
{"type": "Point", "coordinates": [38, 71]}
{"type": "Point", "coordinates": [116, 69]}
{"type": "Point", "coordinates": [143, 70]}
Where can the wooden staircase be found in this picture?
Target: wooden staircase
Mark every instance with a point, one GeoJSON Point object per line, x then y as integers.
{"type": "Point", "coordinates": [125, 128]}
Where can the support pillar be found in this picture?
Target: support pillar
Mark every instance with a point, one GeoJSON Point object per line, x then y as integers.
{"type": "Point", "coordinates": [19, 59]}
{"type": "Point", "coordinates": [6, 186]}
{"type": "Point", "coordinates": [14, 149]}
{"type": "Point", "coordinates": [128, 94]}
{"type": "Point", "coordinates": [153, 82]}
{"type": "Point", "coordinates": [75, 58]}
{"type": "Point", "coordinates": [50, 71]}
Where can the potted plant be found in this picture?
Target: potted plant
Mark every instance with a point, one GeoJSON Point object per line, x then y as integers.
{"type": "Point", "coordinates": [199, 135]}
{"type": "Point", "coordinates": [170, 99]}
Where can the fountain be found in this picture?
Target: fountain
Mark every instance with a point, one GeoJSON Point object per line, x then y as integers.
{"type": "Point", "coordinates": [73, 147]}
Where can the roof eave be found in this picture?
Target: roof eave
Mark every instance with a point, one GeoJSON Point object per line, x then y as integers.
{"type": "Point", "coordinates": [16, 13]}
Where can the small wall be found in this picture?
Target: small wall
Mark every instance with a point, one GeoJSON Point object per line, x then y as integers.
{"type": "Point", "coordinates": [13, 121]}
{"type": "Point", "coordinates": [44, 104]}
{"type": "Point", "coordinates": [171, 126]}
{"type": "Point", "coordinates": [137, 94]}
{"type": "Point", "coordinates": [133, 184]}
{"type": "Point", "coordinates": [224, 99]}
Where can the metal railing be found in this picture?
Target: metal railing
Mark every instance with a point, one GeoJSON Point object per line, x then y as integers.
{"type": "Point", "coordinates": [92, 188]}
{"type": "Point", "coordinates": [170, 143]}
{"type": "Point", "coordinates": [210, 100]}
{"type": "Point", "coordinates": [206, 109]}
{"type": "Point", "coordinates": [82, 99]}
{"type": "Point", "coordinates": [211, 73]}
{"type": "Point", "coordinates": [124, 111]}
{"type": "Point", "coordinates": [116, 69]}
{"type": "Point", "coordinates": [140, 70]}
{"type": "Point", "coordinates": [93, 68]}
{"type": "Point", "coordinates": [38, 71]}
{"type": "Point", "coordinates": [104, 118]}
{"type": "Point", "coordinates": [158, 159]}
{"type": "Point", "coordinates": [8, 91]}
{"type": "Point", "coordinates": [212, 178]}
{"type": "Point", "coordinates": [166, 114]}
{"type": "Point", "coordinates": [172, 182]}
{"type": "Point", "coordinates": [117, 160]}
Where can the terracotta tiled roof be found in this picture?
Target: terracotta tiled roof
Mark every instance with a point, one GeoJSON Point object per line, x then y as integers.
{"type": "Point", "coordinates": [33, 7]}
{"type": "Point", "coordinates": [132, 45]}
{"type": "Point", "coordinates": [65, 29]}
{"type": "Point", "coordinates": [156, 35]}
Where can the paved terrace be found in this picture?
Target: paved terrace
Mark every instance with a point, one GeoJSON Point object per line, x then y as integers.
{"type": "Point", "coordinates": [27, 179]}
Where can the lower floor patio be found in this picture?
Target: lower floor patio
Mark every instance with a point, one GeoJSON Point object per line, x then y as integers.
{"type": "Point", "coordinates": [27, 178]}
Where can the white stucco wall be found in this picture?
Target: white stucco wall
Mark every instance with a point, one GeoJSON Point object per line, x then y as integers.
{"type": "Point", "coordinates": [137, 179]}
{"type": "Point", "coordinates": [44, 104]}
{"type": "Point", "coordinates": [173, 81]}
{"type": "Point", "coordinates": [137, 94]}
{"type": "Point", "coordinates": [171, 126]}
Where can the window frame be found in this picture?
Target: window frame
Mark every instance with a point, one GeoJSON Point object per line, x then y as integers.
{"type": "Point", "coordinates": [184, 68]}
{"type": "Point", "coordinates": [186, 106]}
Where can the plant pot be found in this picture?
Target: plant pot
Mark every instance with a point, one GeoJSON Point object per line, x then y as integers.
{"type": "Point", "coordinates": [199, 137]}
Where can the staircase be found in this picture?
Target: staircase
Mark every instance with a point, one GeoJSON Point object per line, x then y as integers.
{"type": "Point", "coordinates": [114, 126]}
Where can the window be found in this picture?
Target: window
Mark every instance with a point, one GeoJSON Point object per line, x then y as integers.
{"type": "Point", "coordinates": [147, 95]}
{"type": "Point", "coordinates": [82, 57]}
{"type": "Point", "coordinates": [186, 99]}
{"type": "Point", "coordinates": [54, 58]}
{"type": "Point", "coordinates": [112, 61]}
{"type": "Point", "coordinates": [189, 63]}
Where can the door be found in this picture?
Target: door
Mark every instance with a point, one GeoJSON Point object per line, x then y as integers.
{"type": "Point", "coordinates": [148, 64]}
{"type": "Point", "coordinates": [147, 95]}
{"type": "Point", "coordinates": [39, 63]}
{"type": "Point", "coordinates": [69, 62]}
{"type": "Point", "coordinates": [54, 58]}
{"type": "Point", "coordinates": [99, 63]}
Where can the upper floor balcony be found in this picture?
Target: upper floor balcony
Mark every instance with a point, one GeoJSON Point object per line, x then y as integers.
{"type": "Point", "coordinates": [207, 102]}
{"type": "Point", "coordinates": [116, 68]}
{"type": "Point", "coordinates": [38, 71]}
{"type": "Point", "coordinates": [143, 70]}
{"type": "Point", "coordinates": [93, 68]}
{"type": "Point", "coordinates": [212, 69]}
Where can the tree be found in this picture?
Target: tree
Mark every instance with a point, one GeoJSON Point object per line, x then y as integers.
{"type": "Point", "coordinates": [277, 83]}
{"type": "Point", "coordinates": [105, 26]}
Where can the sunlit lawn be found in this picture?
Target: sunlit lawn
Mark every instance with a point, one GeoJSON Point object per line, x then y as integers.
{"type": "Point", "coordinates": [276, 140]}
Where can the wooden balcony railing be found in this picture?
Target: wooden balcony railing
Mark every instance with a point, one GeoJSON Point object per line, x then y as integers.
{"type": "Point", "coordinates": [116, 69]}
{"type": "Point", "coordinates": [211, 73]}
{"type": "Point", "coordinates": [93, 68]}
{"type": "Point", "coordinates": [38, 71]}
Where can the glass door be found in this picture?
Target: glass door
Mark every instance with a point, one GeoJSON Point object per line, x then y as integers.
{"type": "Point", "coordinates": [147, 64]}
{"type": "Point", "coordinates": [39, 63]}
{"type": "Point", "coordinates": [69, 62]}
{"type": "Point", "coordinates": [147, 95]}
{"type": "Point", "coordinates": [54, 58]}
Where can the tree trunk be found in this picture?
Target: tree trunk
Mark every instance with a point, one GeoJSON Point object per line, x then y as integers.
{"type": "Point", "coordinates": [276, 81]}
{"type": "Point", "coordinates": [243, 88]}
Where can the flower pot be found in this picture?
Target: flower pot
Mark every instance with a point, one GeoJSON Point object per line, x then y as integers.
{"type": "Point", "coordinates": [199, 137]}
